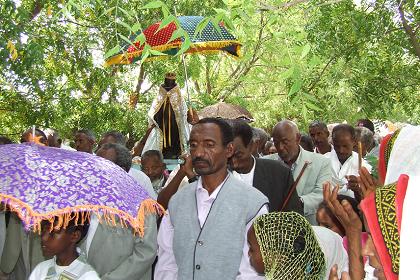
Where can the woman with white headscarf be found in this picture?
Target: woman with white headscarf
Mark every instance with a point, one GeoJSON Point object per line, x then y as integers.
{"type": "Point", "coordinates": [332, 245]}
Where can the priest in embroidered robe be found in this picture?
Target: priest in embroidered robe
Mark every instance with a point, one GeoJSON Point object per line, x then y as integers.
{"type": "Point", "coordinates": [168, 114]}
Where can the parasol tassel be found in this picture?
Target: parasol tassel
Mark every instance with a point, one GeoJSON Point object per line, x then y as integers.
{"type": "Point", "coordinates": [32, 220]}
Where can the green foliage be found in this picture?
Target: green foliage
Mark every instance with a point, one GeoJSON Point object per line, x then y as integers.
{"type": "Point", "coordinates": [329, 60]}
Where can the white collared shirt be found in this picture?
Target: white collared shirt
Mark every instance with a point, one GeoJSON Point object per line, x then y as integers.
{"type": "Point", "coordinates": [247, 178]}
{"type": "Point", "coordinates": [166, 268]}
{"type": "Point", "coordinates": [316, 151]}
{"type": "Point", "coordinates": [349, 167]}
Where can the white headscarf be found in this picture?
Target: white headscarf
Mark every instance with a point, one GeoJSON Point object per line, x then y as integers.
{"type": "Point", "coordinates": [332, 245]}
{"type": "Point", "coordinates": [405, 155]}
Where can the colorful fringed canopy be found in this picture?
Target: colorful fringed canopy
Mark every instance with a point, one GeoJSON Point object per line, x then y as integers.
{"type": "Point", "coordinates": [209, 40]}
{"type": "Point", "coordinates": [41, 183]}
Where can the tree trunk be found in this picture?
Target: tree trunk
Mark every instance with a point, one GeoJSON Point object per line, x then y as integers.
{"type": "Point", "coordinates": [134, 97]}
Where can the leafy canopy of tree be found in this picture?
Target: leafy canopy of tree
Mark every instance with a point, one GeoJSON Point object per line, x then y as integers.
{"type": "Point", "coordinates": [304, 60]}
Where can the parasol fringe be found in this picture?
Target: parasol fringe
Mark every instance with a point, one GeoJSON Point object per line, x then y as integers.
{"type": "Point", "coordinates": [32, 220]}
{"type": "Point", "coordinates": [200, 47]}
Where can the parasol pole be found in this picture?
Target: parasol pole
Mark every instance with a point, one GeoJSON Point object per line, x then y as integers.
{"type": "Point", "coordinates": [186, 77]}
{"type": "Point", "coordinates": [185, 73]}
{"type": "Point", "coordinates": [33, 133]}
{"type": "Point", "coordinates": [186, 82]}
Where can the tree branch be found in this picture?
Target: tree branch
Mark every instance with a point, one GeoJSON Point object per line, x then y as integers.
{"type": "Point", "coordinates": [312, 86]}
{"type": "Point", "coordinates": [79, 24]}
{"type": "Point", "coordinates": [255, 57]}
{"type": "Point", "coordinates": [147, 90]}
{"type": "Point", "coordinates": [409, 31]}
{"type": "Point", "coordinates": [140, 79]}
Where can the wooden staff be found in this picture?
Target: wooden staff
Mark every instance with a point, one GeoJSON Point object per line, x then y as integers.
{"type": "Point", "coordinates": [360, 153]}
{"type": "Point", "coordinates": [293, 188]}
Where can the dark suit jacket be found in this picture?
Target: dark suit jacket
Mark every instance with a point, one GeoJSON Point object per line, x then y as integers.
{"type": "Point", "coordinates": [274, 179]}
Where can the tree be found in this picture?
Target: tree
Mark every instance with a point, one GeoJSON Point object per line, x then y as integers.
{"type": "Point", "coordinates": [329, 60]}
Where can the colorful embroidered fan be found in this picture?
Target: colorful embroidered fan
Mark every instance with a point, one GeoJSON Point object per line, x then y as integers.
{"type": "Point", "coordinates": [209, 40]}
{"type": "Point", "coordinates": [38, 183]}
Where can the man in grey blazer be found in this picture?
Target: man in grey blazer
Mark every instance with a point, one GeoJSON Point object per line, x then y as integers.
{"type": "Point", "coordinates": [316, 168]}
{"type": "Point", "coordinates": [21, 251]}
{"type": "Point", "coordinates": [114, 252]}
{"type": "Point", "coordinates": [117, 254]}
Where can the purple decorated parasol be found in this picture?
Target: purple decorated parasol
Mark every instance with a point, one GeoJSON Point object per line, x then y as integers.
{"type": "Point", "coordinates": [38, 183]}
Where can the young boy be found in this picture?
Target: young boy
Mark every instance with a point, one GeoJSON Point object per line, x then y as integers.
{"type": "Point", "coordinates": [60, 245]}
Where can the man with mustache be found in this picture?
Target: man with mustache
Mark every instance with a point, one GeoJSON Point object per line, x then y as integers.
{"type": "Point", "coordinates": [319, 134]}
{"type": "Point", "coordinates": [203, 234]}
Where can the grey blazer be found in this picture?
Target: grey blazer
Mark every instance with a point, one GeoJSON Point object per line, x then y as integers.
{"type": "Point", "coordinates": [116, 254]}
{"type": "Point", "coordinates": [22, 250]}
{"type": "Point", "coordinates": [309, 187]}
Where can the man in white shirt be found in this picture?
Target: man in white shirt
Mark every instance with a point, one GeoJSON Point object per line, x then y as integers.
{"type": "Point", "coordinates": [203, 234]}
{"type": "Point", "coordinates": [344, 161]}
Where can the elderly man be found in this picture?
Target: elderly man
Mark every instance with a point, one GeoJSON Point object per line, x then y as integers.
{"type": "Point", "coordinates": [112, 136]}
{"type": "Point", "coordinates": [84, 140]}
{"type": "Point", "coordinates": [116, 253]}
{"type": "Point", "coordinates": [319, 134]}
{"type": "Point", "coordinates": [366, 137]}
{"type": "Point", "coordinates": [273, 178]}
{"type": "Point", "coordinates": [203, 235]}
{"type": "Point", "coordinates": [121, 156]}
{"type": "Point", "coordinates": [115, 137]}
{"type": "Point", "coordinates": [310, 170]}
{"type": "Point", "coordinates": [153, 166]}
{"type": "Point", "coordinates": [21, 251]}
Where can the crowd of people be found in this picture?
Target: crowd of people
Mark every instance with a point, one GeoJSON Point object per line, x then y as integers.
{"type": "Point", "coordinates": [242, 204]}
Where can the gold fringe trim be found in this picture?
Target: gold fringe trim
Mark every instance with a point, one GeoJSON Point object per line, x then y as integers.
{"type": "Point", "coordinates": [106, 214]}
{"type": "Point", "coordinates": [202, 47]}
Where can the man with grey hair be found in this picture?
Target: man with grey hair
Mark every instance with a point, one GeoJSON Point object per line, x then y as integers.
{"type": "Point", "coordinates": [116, 153]}
{"type": "Point", "coordinates": [259, 138]}
{"type": "Point", "coordinates": [310, 170]}
{"type": "Point", "coordinates": [119, 254]}
{"type": "Point", "coordinates": [319, 134]}
{"type": "Point", "coordinates": [365, 136]}
{"type": "Point", "coordinates": [112, 136]}
{"type": "Point", "coordinates": [121, 156]}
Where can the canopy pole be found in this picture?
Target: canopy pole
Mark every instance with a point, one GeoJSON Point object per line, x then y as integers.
{"type": "Point", "coordinates": [186, 83]}
{"type": "Point", "coordinates": [186, 78]}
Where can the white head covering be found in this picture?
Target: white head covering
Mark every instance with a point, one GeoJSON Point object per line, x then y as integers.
{"type": "Point", "coordinates": [405, 155]}
{"type": "Point", "coordinates": [332, 245]}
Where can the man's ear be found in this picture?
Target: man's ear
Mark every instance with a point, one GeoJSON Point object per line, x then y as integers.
{"type": "Point", "coordinates": [229, 149]}
{"type": "Point", "coordinates": [253, 145]}
{"type": "Point", "coordinates": [298, 136]}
